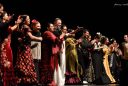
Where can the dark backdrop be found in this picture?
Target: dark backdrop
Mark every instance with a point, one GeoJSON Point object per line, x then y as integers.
{"type": "Point", "coordinates": [110, 18]}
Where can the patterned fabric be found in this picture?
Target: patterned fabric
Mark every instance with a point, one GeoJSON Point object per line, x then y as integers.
{"type": "Point", "coordinates": [72, 78]}
{"type": "Point", "coordinates": [25, 69]}
{"type": "Point", "coordinates": [46, 73]}
{"type": "Point", "coordinates": [90, 73]}
{"type": "Point", "coordinates": [7, 73]}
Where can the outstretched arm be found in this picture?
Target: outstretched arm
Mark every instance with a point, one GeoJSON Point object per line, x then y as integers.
{"type": "Point", "coordinates": [34, 37]}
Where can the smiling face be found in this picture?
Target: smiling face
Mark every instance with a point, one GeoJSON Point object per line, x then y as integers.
{"type": "Point", "coordinates": [58, 22]}
{"type": "Point", "coordinates": [38, 26]}
{"type": "Point", "coordinates": [107, 41]}
{"type": "Point", "coordinates": [27, 21]}
{"type": "Point", "coordinates": [50, 27]}
{"type": "Point", "coordinates": [64, 29]}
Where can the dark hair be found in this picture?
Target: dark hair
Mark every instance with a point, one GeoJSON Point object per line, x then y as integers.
{"type": "Point", "coordinates": [23, 17]}
{"type": "Point", "coordinates": [1, 5]}
{"type": "Point", "coordinates": [48, 24]}
{"type": "Point", "coordinates": [62, 26]}
{"type": "Point", "coordinates": [98, 35]}
{"type": "Point", "coordinates": [103, 39]}
{"type": "Point", "coordinates": [112, 40]}
{"type": "Point", "coordinates": [85, 30]}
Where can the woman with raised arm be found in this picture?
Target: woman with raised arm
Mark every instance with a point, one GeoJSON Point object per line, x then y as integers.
{"type": "Point", "coordinates": [106, 74]}
{"type": "Point", "coordinates": [6, 63]}
{"type": "Point", "coordinates": [25, 69]}
{"type": "Point", "coordinates": [50, 55]}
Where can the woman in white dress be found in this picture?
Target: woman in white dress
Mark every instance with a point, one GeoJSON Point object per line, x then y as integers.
{"type": "Point", "coordinates": [59, 76]}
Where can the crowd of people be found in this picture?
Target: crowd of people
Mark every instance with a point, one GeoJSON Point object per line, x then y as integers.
{"type": "Point", "coordinates": [56, 57]}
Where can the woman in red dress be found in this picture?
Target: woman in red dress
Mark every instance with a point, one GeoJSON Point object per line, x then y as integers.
{"type": "Point", "coordinates": [6, 63]}
{"type": "Point", "coordinates": [25, 69]}
{"type": "Point", "coordinates": [50, 53]}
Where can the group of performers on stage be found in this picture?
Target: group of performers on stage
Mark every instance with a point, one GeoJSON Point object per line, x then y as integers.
{"type": "Point", "coordinates": [56, 56]}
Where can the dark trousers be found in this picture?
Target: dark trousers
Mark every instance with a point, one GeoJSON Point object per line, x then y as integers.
{"type": "Point", "coordinates": [124, 72]}
{"type": "Point", "coordinates": [36, 63]}
{"type": "Point", "coordinates": [1, 84]}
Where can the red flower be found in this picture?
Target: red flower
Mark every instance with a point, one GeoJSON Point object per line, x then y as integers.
{"type": "Point", "coordinates": [34, 21]}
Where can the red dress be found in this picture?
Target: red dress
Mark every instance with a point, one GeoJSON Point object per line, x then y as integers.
{"type": "Point", "coordinates": [7, 73]}
{"type": "Point", "coordinates": [25, 69]}
{"type": "Point", "coordinates": [49, 60]}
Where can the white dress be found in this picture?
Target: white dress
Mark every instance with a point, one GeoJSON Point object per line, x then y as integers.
{"type": "Point", "coordinates": [59, 75]}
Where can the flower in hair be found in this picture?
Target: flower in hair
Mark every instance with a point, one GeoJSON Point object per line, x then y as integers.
{"type": "Point", "coordinates": [34, 21]}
